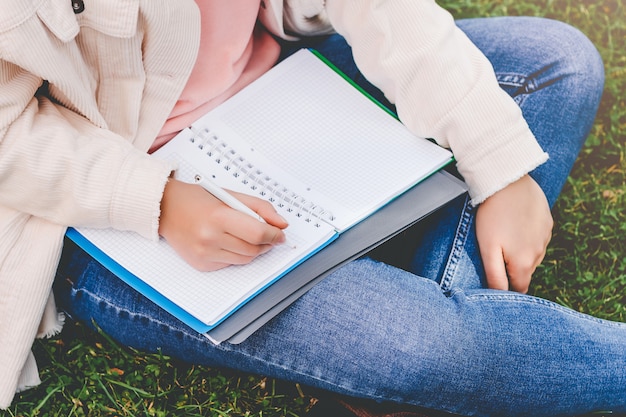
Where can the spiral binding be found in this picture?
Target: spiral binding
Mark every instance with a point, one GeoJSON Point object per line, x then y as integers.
{"type": "Point", "coordinates": [265, 186]}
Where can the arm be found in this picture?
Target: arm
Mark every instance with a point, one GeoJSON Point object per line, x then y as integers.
{"type": "Point", "coordinates": [445, 88]}
{"type": "Point", "coordinates": [442, 85]}
{"type": "Point", "coordinates": [56, 165]}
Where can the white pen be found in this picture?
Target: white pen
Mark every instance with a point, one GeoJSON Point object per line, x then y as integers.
{"type": "Point", "coordinates": [230, 200]}
{"type": "Point", "coordinates": [225, 197]}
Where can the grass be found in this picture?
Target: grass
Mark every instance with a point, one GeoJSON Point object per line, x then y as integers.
{"type": "Point", "coordinates": [585, 268]}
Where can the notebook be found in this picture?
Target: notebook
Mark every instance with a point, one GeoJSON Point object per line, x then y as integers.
{"type": "Point", "coordinates": [302, 137]}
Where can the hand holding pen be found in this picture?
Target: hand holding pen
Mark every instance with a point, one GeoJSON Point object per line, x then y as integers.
{"type": "Point", "coordinates": [206, 231]}
{"type": "Point", "coordinates": [225, 197]}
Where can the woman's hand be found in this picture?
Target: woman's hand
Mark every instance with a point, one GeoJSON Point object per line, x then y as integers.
{"type": "Point", "coordinates": [210, 235]}
{"type": "Point", "coordinates": [513, 228]}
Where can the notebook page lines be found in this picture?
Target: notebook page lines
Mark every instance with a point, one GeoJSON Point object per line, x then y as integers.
{"type": "Point", "coordinates": [356, 161]}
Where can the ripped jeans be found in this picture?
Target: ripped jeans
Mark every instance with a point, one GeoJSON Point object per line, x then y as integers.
{"type": "Point", "coordinates": [435, 336]}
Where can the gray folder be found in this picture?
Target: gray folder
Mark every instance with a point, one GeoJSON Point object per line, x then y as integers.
{"type": "Point", "coordinates": [395, 217]}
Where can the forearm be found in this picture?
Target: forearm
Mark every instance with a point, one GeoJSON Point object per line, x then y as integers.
{"type": "Point", "coordinates": [56, 165]}
{"type": "Point", "coordinates": [442, 85]}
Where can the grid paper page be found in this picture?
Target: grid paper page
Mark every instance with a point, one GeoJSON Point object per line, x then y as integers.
{"type": "Point", "coordinates": [208, 296]}
{"type": "Point", "coordinates": [336, 141]}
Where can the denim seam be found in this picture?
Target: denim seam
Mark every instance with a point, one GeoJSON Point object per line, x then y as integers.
{"type": "Point", "coordinates": [522, 298]}
{"type": "Point", "coordinates": [511, 79]}
{"type": "Point", "coordinates": [130, 313]}
{"type": "Point", "coordinates": [458, 244]}
{"type": "Point", "coordinates": [355, 392]}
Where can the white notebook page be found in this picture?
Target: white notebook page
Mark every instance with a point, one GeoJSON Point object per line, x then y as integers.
{"type": "Point", "coordinates": [335, 142]}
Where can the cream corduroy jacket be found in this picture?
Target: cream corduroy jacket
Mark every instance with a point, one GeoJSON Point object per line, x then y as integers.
{"type": "Point", "coordinates": [83, 96]}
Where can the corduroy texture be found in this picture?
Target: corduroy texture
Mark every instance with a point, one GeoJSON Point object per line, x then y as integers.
{"type": "Point", "coordinates": [442, 85]}
{"type": "Point", "coordinates": [84, 161]}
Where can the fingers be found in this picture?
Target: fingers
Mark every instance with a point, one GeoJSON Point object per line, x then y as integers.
{"type": "Point", "coordinates": [513, 229]}
{"type": "Point", "coordinates": [520, 276]}
{"type": "Point", "coordinates": [510, 272]}
{"type": "Point", "coordinates": [495, 269]}
{"type": "Point", "coordinates": [521, 270]}
{"type": "Point", "coordinates": [250, 230]}
{"type": "Point", "coordinates": [210, 235]}
{"type": "Point", "coordinates": [225, 257]}
{"type": "Point", "coordinates": [215, 248]}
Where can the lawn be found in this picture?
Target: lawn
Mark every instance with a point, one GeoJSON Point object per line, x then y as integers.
{"type": "Point", "coordinates": [87, 374]}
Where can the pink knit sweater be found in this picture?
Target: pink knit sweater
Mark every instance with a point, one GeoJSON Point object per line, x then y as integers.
{"type": "Point", "coordinates": [234, 50]}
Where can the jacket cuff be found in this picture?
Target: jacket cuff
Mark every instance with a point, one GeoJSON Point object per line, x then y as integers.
{"type": "Point", "coordinates": [136, 201]}
{"type": "Point", "coordinates": [490, 170]}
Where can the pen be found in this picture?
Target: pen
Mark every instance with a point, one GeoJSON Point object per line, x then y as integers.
{"type": "Point", "coordinates": [228, 199]}
{"type": "Point", "coordinates": [225, 197]}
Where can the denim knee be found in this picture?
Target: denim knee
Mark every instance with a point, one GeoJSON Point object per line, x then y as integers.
{"type": "Point", "coordinates": [576, 53]}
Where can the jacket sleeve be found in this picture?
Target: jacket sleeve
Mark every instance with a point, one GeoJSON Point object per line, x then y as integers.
{"type": "Point", "coordinates": [56, 165]}
{"type": "Point", "coordinates": [442, 85]}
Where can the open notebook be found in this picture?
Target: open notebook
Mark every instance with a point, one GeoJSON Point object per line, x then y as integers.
{"type": "Point", "coordinates": [303, 138]}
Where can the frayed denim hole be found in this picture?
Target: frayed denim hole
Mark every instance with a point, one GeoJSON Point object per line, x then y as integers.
{"type": "Point", "coordinates": [517, 86]}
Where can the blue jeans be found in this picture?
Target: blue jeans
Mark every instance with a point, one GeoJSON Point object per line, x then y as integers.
{"type": "Point", "coordinates": [432, 336]}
